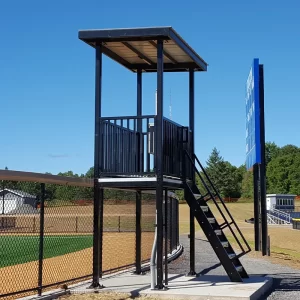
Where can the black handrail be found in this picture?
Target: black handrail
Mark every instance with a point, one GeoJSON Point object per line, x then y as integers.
{"type": "Point", "coordinates": [218, 194]}
{"type": "Point", "coordinates": [129, 117]}
{"type": "Point", "coordinates": [216, 203]}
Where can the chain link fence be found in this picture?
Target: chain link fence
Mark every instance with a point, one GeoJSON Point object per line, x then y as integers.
{"type": "Point", "coordinates": [119, 227]}
{"type": "Point", "coordinates": [46, 236]}
{"type": "Point", "coordinates": [46, 232]}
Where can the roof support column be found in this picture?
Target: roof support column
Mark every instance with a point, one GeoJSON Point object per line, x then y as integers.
{"type": "Point", "coordinates": [138, 204]}
{"type": "Point", "coordinates": [159, 162]}
{"type": "Point", "coordinates": [139, 122]}
{"type": "Point", "coordinates": [98, 191]}
{"type": "Point", "coordinates": [192, 151]}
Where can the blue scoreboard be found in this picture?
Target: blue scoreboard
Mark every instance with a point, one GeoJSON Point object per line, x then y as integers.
{"type": "Point", "coordinates": [253, 147]}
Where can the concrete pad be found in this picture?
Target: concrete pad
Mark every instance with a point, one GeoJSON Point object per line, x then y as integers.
{"type": "Point", "coordinates": [213, 287]}
{"type": "Point", "coordinates": [206, 287]}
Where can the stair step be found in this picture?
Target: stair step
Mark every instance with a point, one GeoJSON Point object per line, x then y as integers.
{"type": "Point", "coordinates": [225, 244]}
{"type": "Point", "coordinates": [204, 208]}
{"type": "Point", "coordinates": [239, 268]}
{"type": "Point", "coordinates": [218, 232]}
{"type": "Point", "coordinates": [231, 255]}
{"type": "Point", "coordinates": [197, 196]}
{"type": "Point", "coordinates": [211, 220]}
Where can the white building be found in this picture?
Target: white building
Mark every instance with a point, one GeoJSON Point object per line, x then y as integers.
{"type": "Point", "coordinates": [281, 201]}
{"type": "Point", "coordinates": [11, 200]}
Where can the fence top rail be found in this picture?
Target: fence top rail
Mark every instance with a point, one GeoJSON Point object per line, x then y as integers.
{"type": "Point", "coordinates": [56, 179]}
{"type": "Point", "coordinates": [45, 178]}
{"type": "Point", "coordinates": [174, 123]}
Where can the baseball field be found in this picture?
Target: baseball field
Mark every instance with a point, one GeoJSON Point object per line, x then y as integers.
{"type": "Point", "coordinates": [68, 240]}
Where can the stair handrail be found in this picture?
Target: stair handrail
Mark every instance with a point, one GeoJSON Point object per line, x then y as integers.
{"type": "Point", "coordinates": [281, 213]}
{"type": "Point", "coordinates": [216, 203]}
{"type": "Point", "coordinates": [273, 218]}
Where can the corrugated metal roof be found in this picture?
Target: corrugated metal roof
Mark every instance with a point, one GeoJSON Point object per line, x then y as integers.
{"type": "Point", "coordinates": [135, 48]}
{"type": "Point", "coordinates": [19, 193]}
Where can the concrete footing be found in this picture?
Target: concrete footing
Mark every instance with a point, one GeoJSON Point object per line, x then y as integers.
{"type": "Point", "coordinates": [186, 287]}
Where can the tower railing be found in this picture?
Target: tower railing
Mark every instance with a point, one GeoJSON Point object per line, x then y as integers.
{"type": "Point", "coordinates": [175, 142]}
{"type": "Point", "coordinates": [127, 146]}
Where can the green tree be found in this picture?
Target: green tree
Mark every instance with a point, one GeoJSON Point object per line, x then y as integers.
{"type": "Point", "coordinates": [225, 177]}
{"type": "Point", "coordinates": [215, 169]}
{"type": "Point", "coordinates": [272, 150]}
{"type": "Point", "coordinates": [90, 173]}
{"type": "Point", "coordinates": [247, 185]}
{"type": "Point", "coordinates": [230, 184]}
{"type": "Point", "coordinates": [289, 149]}
{"type": "Point", "coordinates": [282, 173]}
{"type": "Point", "coordinates": [294, 175]}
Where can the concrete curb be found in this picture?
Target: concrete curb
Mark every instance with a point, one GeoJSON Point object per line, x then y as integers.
{"type": "Point", "coordinates": [54, 294]}
{"type": "Point", "coordinates": [264, 290]}
{"type": "Point", "coordinates": [77, 288]}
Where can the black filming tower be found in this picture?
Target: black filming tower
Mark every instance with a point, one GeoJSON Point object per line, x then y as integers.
{"type": "Point", "coordinates": [123, 145]}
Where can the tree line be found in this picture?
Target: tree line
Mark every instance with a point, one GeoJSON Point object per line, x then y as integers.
{"type": "Point", "coordinates": [282, 176]}
{"type": "Point", "coordinates": [56, 194]}
{"type": "Point", "coordinates": [282, 173]}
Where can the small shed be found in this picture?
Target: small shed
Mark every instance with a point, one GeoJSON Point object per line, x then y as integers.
{"type": "Point", "coordinates": [11, 200]}
{"type": "Point", "coordinates": [284, 202]}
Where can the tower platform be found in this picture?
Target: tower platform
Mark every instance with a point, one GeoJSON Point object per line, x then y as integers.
{"type": "Point", "coordinates": [135, 182]}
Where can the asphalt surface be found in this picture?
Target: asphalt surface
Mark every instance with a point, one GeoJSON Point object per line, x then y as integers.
{"type": "Point", "coordinates": [286, 281]}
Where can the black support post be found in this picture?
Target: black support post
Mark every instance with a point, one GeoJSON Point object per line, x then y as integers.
{"type": "Point", "coordinates": [98, 191]}
{"type": "Point", "coordinates": [177, 224]}
{"type": "Point", "coordinates": [3, 199]}
{"type": "Point", "coordinates": [138, 213]}
{"type": "Point", "coordinates": [139, 122]}
{"type": "Point", "coordinates": [41, 243]}
{"type": "Point", "coordinates": [257, 229]}
{"type": "Point", "coordinates": [159, 163]}
{"type": "Point", "coordinates": [264, 221]}
{"type": "Point", "coordinates": [192, 149]}
{"type": "Point", "coordinates": [166, 236]}
{"type": "Point", "coordinates": [171, 227]}
{"type": "Point", "coordinates": [138, 233]}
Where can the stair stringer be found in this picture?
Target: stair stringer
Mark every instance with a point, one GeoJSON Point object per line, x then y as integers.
{"type": "Point", "coordinates": [230, 264]}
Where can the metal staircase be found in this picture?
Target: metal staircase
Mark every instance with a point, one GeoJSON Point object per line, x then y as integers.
{"type": "Point", "coordinates": [279, 217]}
{"type": "Point", "coordinates": [212, 229]}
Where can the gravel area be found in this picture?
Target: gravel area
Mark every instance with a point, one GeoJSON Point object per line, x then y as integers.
{"type": "Point", "coordinates": [286, 281]}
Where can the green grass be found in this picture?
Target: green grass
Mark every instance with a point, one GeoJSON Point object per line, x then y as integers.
{"type": "Point", "coordinates": [21, 249]}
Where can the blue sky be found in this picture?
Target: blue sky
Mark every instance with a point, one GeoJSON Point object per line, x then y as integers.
{"type": "Point", "coordinates": [47, 75]}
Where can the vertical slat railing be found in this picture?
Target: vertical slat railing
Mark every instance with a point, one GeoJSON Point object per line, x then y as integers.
{"type": "Point", "coordinates": [124, 145]}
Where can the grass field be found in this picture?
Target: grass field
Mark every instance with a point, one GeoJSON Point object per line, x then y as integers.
{"type": "Point", "coordinates": [285, 241]}
{"type": "Point", "coordinates": [68, 244]}
{"type": "Point", "coordinates": [22, 249]}
{"type": "Point", "coordinates": [69, 255]}
{"type": "Point", "coordinates": [76, 261]}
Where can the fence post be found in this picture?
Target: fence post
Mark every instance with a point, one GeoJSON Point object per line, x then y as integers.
{"type": "Point", "coordinates": [177, 223]}
{"type": "Point", "coordinates": [76, 224]}
{"type": "Point", "coordinates": [41, 243]}
{"type": "Point", "coordinates": [166, 237]}
{"type": "Point", "coordinates": [269, 246]}
{"type": "Point", "coordinates": [97, 235]}
{"type": "Point", "coordinates": [171, 227]}
{"type": "Point", "coordinates": [138, 233]}
{"type": "Point", "coordinates": [34, 227]}
{"type": "Point", "coordinates": [119, 223]}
